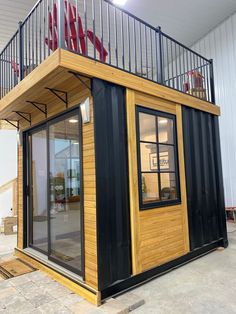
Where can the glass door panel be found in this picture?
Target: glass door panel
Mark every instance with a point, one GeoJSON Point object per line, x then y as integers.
{"type": "Point", "coordinates": [65, 192]}
{"type": "Point", "coordinates": [38, 190]}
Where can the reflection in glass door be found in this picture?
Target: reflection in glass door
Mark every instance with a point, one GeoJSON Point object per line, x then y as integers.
{"type": "Point", "coordinates": [38, 190]}
{"type": "Point", "coordinates": [65, 196]}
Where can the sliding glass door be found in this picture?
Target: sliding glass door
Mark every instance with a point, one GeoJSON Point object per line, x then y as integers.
{"type": "Point", "coordinates": [55, 208]}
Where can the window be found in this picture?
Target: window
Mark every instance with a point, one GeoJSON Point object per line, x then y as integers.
{"type": "Point", "coordinates": [157, 158]}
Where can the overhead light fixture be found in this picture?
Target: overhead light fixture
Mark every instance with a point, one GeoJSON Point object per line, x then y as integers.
{"type": "Point", "coordinates": [76, 143]}
{"type": "Point", "coordinates": [85, 110]}
{"type": "Point", "coordinates": [73, 120]}
{"type": "Point", "coordinates": [119, 2]}
{"type": "Point", "coordinates": [163, 121]}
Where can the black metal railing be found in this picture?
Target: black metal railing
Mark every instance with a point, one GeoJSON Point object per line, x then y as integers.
{"type": "Point", "coordinates": [99, 30]}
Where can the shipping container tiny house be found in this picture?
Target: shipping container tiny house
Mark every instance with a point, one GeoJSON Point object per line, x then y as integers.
{"type": "Point", "coordinates": [119, 172]}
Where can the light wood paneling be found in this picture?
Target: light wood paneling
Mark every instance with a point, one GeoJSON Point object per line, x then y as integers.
{"type": "Point", "coordinates": [133, 182]}
{"type": "Point", "coordinates": [158, 235]}
{"type": "Point", "coordinates": [89, 182]}
{"type": "Point", "coordinates": [182, 175]}
{"type": "Point", "coordinates": [20, 227]}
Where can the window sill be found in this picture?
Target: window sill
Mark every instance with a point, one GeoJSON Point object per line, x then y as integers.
{"type": "Point", "coordinates": [160, 205]}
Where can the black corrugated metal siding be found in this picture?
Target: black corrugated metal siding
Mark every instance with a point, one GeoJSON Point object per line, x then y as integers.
{"type": "Point", "coordinates": [206, 209]}
{"type": "Point", "coordinates": [113, 222]}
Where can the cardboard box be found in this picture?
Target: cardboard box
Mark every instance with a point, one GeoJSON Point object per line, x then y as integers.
{"type": "Point", "coordinates": [9, 224]}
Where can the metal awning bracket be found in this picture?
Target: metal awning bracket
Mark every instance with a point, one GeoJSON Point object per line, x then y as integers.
{"type": "Point", "coordinates": [24, 115]}
{"type": "Point", "coordinates": [13, 123]}
{"type": "Point", "coordinates": [41, 107]}
{"type": "Point", "coordinates": [57, 93]}
{"type": "Point", "coordinates": [78, 76]}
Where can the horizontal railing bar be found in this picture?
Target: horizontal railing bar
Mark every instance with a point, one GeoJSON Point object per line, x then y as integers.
{"type": "Point", "coordinates": [132, 15]}
{"type": "Point", "coordinates": [9, 42]}
{"type": "Point", "coordinates": [185, 47]}
{"type": "Point", "coordinates": [32, 11]}
{"type": "Point", "coordinates": [185, 73]}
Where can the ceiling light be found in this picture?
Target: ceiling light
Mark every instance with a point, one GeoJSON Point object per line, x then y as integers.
{"type": "Point", "coordinates": [76, 143]}
{"type": "Point", "coordinates": [120, 2]}
{"type": "Point", "coordinates": [73, 120]}
{"type": "Point", "coordinates": [163, 121]}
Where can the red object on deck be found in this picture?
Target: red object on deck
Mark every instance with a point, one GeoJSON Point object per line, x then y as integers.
{"type": "Point", "coordinates": [75, 37]}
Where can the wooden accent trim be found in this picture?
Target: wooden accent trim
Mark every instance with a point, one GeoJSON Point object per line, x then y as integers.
{"type": "Point", "coordinates": [133, 181]}
{"type": "Point", "coordinates": [93, 68]}
{"type": "Point", "coordinates": [155, 103]}
{"type": "Point", "coordinates": [183, 189]}
{"type": "Point", "coordinates": [20, 211]}
{"type": "Point", "coordinates": [93, 297]}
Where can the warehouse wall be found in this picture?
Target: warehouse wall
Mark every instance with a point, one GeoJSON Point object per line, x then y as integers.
{"type": "Point", "coordinates": [220, 44]}
{"type": "Point", "coordinates": [8, 169]}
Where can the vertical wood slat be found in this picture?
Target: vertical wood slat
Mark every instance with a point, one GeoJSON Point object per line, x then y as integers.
{"type": "Point", "coordinates": [89, 184]}
{"type": "Point", "coordinates": [179, 123]}
{"type": "Point", "coordinates": [20, 198]}
{"type": "Point", "coordinates": [133, 182]}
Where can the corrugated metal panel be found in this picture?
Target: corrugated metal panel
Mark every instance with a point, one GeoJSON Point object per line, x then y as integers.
{"type": "Point", "coordinates": [204, 178]}
{"type": "Point", "coordinates": [112, 200]}
{"type": "Point", "coordinates": [220, 44]}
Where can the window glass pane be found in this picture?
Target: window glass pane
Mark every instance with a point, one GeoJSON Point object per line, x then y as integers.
{"type": "Point", "coordinates": [167, 160]}
{"type": "Point", "coordinates": [149, 160]}
{"type": "Point", "coordinates": [168, 186]}
{"type": "Point", "coordinates": [150, 190]}
{"type": "Point", "coordinates": [165, 130]}
{"type": "Point", "coordinates": [65, 205]}
{"type": "Point", "coordinates": [147, 126]}
{"type": "Point", "coordinates": [38, 191]}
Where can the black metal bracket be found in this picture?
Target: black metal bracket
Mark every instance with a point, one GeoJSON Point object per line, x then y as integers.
{"type": "Point", "coordinates": [25, 115]}
{"type": "Point", "coordinates": [78, 76]}
{"type": "Point", "coordinates": [56, 93]}
{"type": "Point", "coordinates": [38, 105]}
{"type": "Point", "coordinates": [13, 124]}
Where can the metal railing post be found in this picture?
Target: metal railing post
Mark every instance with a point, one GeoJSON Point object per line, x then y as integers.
{"type": "Point", "coordinates": [160, 72]}
{"type": "Point", "coordinates": [21, 52]}
{"type": "Point", "coordinates": [61, 23]}
{"type": "Point", "coordinates": [212, 82]}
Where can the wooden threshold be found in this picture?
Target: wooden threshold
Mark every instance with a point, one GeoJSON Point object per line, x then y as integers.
{"type": "Point", "coordinates": [54, 73]}
{"type": "Point", "coordinates": [89, 294]}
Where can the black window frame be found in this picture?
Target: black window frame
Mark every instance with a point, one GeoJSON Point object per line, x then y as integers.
{"type": "Point", "coordinates": [160, 203]}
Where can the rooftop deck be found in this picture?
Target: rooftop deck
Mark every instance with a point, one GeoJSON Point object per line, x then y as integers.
{"type": "Point", "coordinates": [103, 32]}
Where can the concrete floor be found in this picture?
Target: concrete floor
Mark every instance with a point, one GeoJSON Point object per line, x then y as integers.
{"type": "Point", "coordinates": [7, 244]}
{"type": "Point", "coordinates": [206, 285]}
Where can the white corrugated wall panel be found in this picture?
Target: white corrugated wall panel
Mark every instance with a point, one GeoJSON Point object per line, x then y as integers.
{"type": "Point", "coordinates": [220, 45]}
